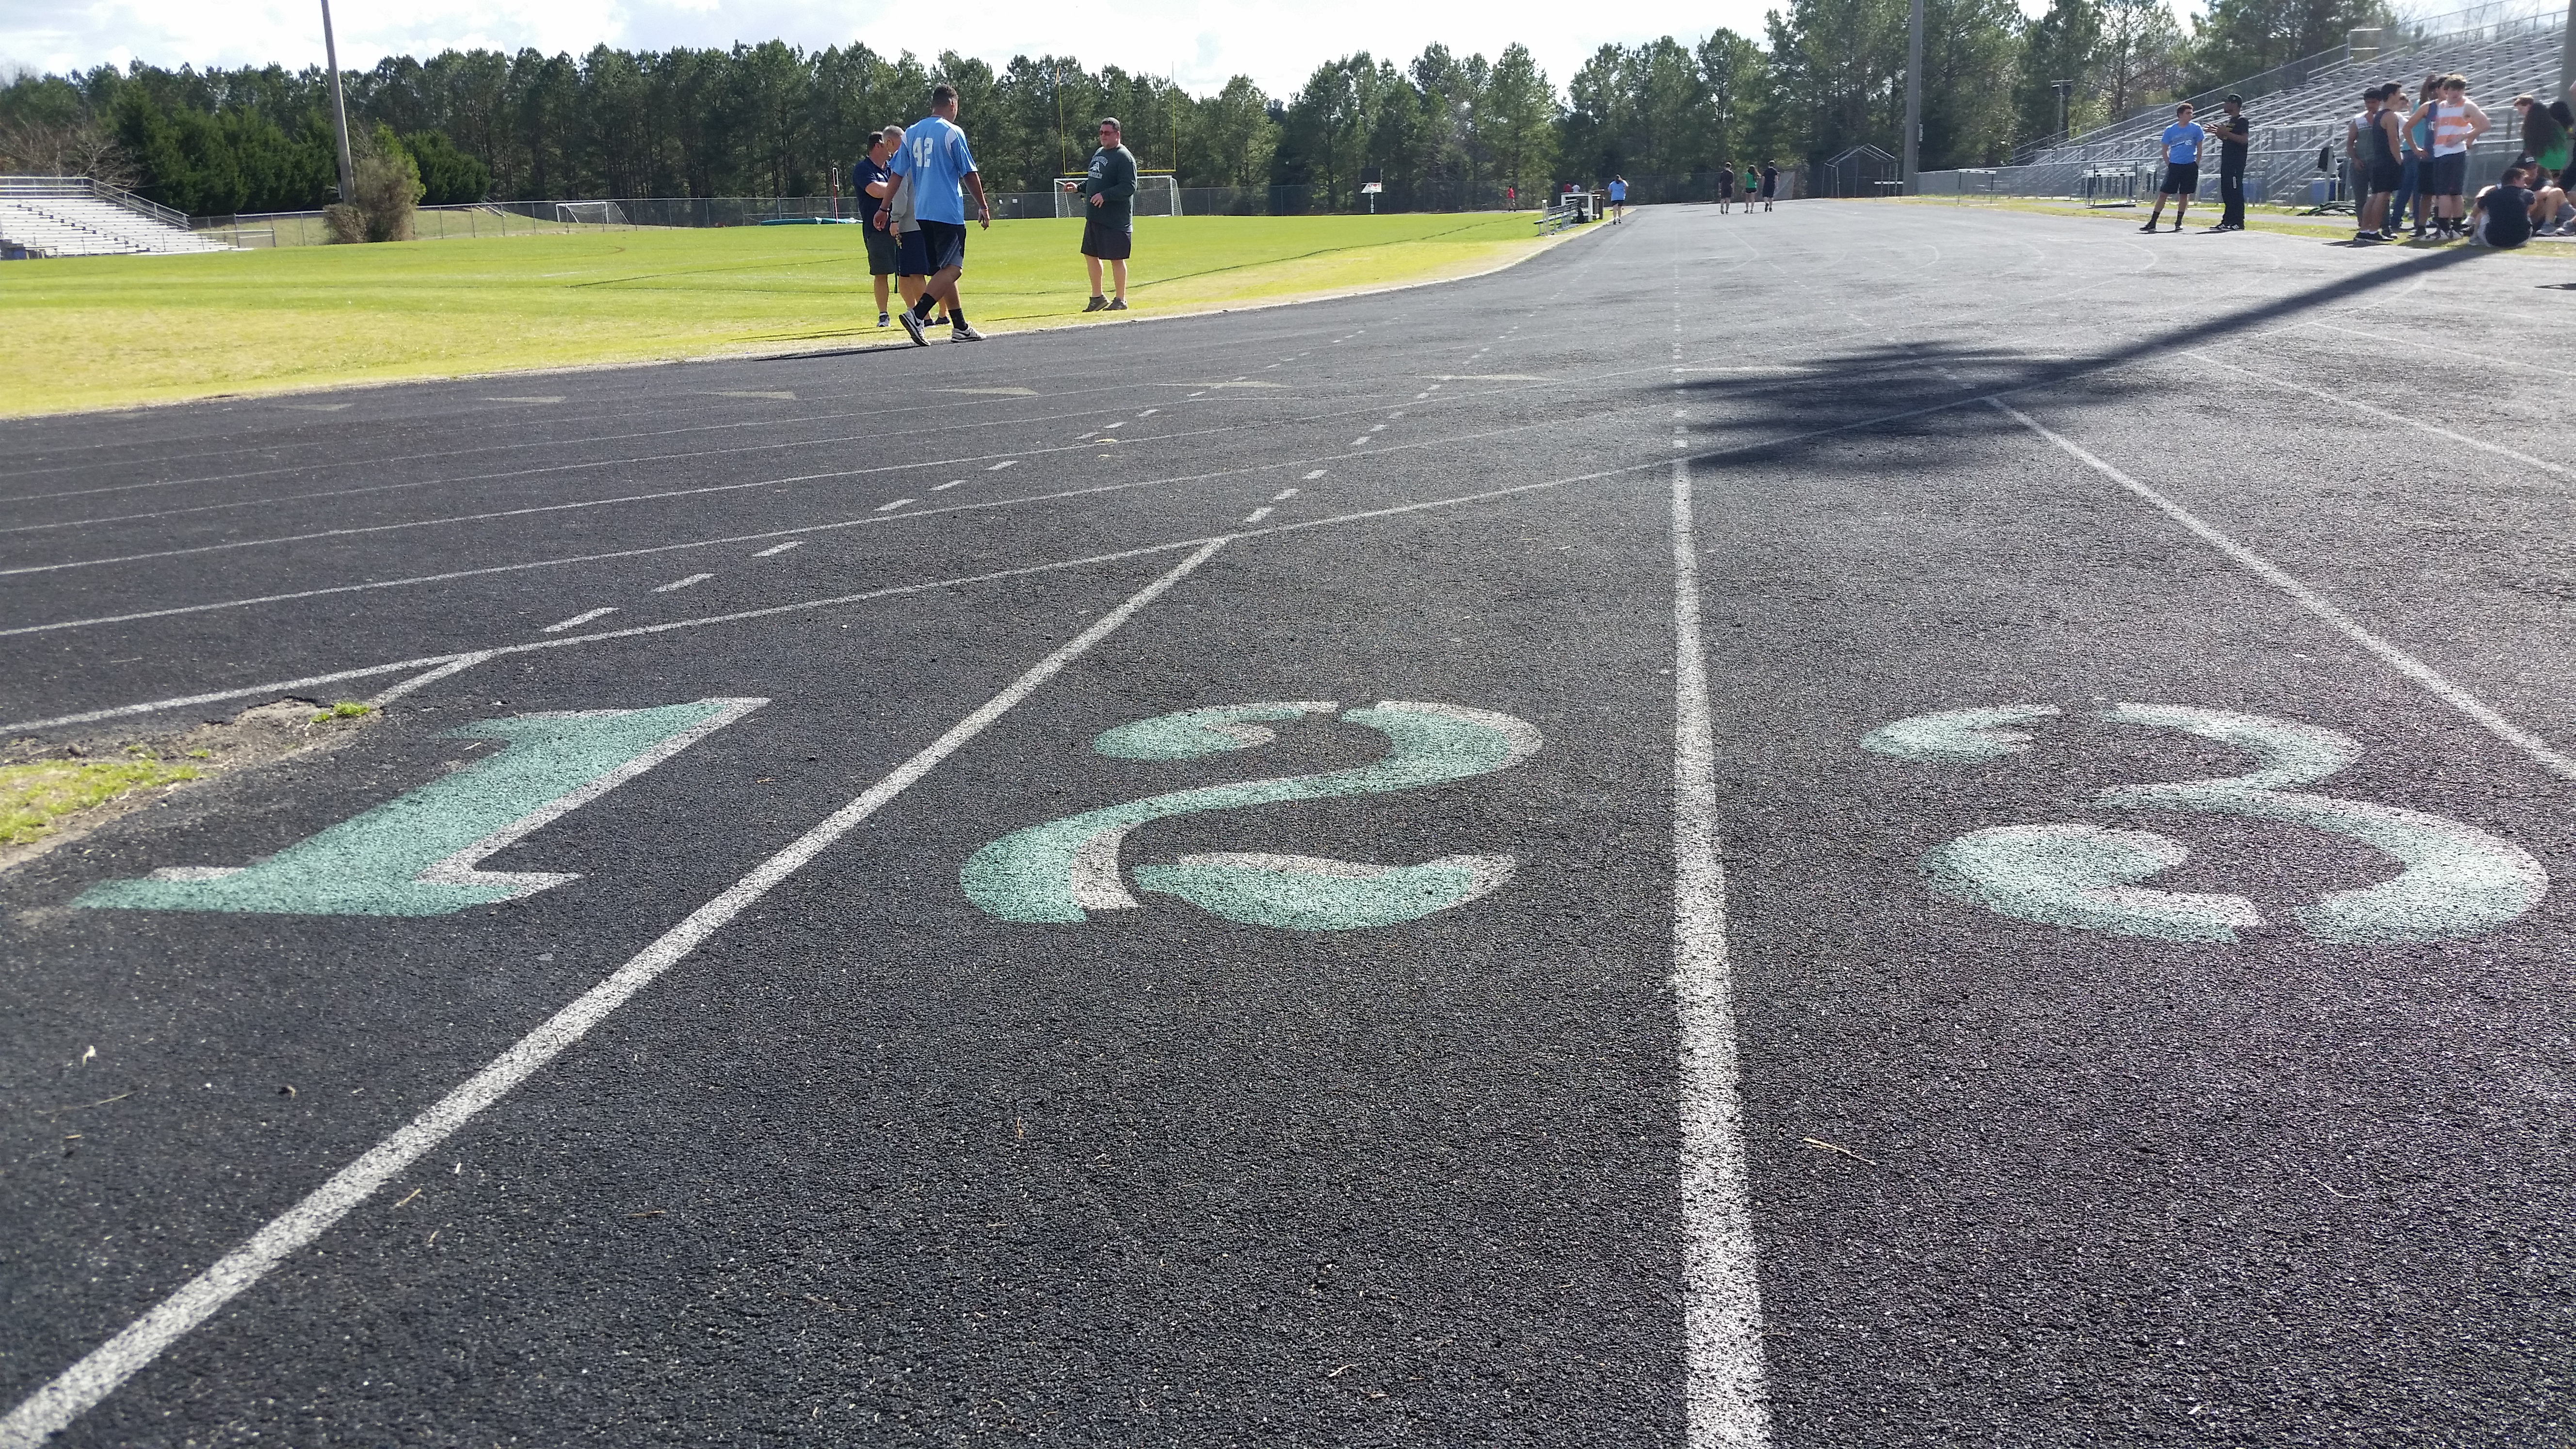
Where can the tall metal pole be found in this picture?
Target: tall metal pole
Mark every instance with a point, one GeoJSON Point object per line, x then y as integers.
{"type": "Point", "coordinates": [1914, 100]}
{"type": "Point", "coordinates": [340, 107]}
{"type": "Point", "coordinates": [2567, 58]}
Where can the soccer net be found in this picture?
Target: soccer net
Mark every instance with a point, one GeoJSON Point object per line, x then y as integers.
{"type": "Point", "coordinates": [1158, 193]}
{"type": "Point", "coordinates": [591, 213]}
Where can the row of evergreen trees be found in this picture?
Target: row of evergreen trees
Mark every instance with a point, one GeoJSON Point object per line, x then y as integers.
{"type": "Point", "coordinates": [1442, 131]}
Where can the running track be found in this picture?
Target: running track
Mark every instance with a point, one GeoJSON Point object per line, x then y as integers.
{"type": "Point", "coordinates": [1991, 1083]}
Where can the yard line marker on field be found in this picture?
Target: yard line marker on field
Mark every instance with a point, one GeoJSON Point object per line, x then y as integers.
{"type": "Point", "coordinates": [2433, 682]}
{"type": "Point", "coordinates": [1257, 514]}
{"type": "Point", "coordinates": [777, 549]}
{"type": "Point", "coordinates": [678, 584]}
{"type": "Point", "coordinates": [576, 619]}
{"type": "Point", "coordinates": [79, 1388]}
{"type": "Point", "coordinates": [891, 507]}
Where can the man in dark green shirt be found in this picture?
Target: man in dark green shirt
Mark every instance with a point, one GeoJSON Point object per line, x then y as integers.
{"type": "Point", "coordinates": [1109, 215]}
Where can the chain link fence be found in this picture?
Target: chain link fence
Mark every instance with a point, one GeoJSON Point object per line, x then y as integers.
{"type": "Point", "coordinates": [2308, 170]}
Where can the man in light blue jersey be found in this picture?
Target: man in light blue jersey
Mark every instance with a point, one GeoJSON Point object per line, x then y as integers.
{"type": "Point", "coordinates": [2182, 142]}
{"type": "Point", "coordinates": [935, 166]}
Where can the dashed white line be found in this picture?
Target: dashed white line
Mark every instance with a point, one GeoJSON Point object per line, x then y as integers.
{"type": "Point", "coordinates": [891, 507]}
{"type": "Point", "coordinates": [944, 487]}
{"type": "Point", "coordinates": [79, 1388]}
{"type": "Point", "coordinates": [1318, 473]}
{"type": "Point", "coordinates": [1258, 514]}
{"type": "Point", "coordinates": [1005, 463]}
{"type": "Point", "coordinates": [1149, 412]}
{"type": "Point", "coordinates": [683, 583]}
{"type": "Point", "coordinates": [1283, 495]}
{"type": "Point", "coordinates": [780, 548]}
{"type": "Point", "coordinates": [1360, 442]}
{"type": "Point", "coordinates": [576, 619]}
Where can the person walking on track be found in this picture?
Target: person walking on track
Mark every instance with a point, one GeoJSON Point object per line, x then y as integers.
{"type": "Point", "coordinates": [2182, 142]}
{"type": "Point", "coordinates": [1752, 184]}
{"type": "Point", "coordinates": [1770, 183]}
{"type": "Point", "coordinates": [1108, 194]}
{"type": "Point", "coordinates": [1725, 188]}
{"type": "Point", "coordinates": [1618, 197]}
{"type": "Point", "coordinates": [936, 168]}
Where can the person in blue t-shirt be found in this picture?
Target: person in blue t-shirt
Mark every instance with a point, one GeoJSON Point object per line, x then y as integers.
{"type": "Point", "coordinates": [1618, 197]}
{"type": "Point", "coordinates": [2182, 143]}
{"type": "Point", "coordinates": [935, 165]}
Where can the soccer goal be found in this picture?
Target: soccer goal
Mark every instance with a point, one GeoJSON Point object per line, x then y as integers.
{"type": "Point", "coordinates": [590, 213]}
{"type": "Point", "coordinates": [1158, 193]}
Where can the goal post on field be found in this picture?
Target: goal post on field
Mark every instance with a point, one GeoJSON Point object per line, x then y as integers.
{"type": "Point", "coordinates": [590, 213]}
{"type": "Point", "coordinates": [1158, 193]}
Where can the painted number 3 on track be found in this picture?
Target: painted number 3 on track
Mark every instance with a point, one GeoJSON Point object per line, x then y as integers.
{"type": "Point", "coordinates": [2454, 881]}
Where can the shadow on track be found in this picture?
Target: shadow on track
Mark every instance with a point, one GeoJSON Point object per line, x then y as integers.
{"type": "Point", "coordinates": [1894, 380]}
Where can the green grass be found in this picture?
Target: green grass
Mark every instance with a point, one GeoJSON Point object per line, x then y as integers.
{"type": "Point", "coordinates": [91, 332]}
{"type": "Point", "coordinates": [34, 796]}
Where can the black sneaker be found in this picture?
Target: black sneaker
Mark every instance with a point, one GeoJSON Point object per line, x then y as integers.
{"type": "Point", "coordinates": [2150, 226]}
{"type": "Point", "coordinates": [1118, 304]}
{"type": "Point", "coordinates": [1096, 303]}
{"type": "Point", "coordinates": [912, 328]}
{"type": "Point", "coordinates": [964, 332]}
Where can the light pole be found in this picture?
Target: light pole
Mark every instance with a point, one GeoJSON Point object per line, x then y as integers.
{"type": "Point", "coordinates": [2063, 89]}
{"type": "Point", "coordinates": [339, 107]}
{"type": "Point", "coordinates": [1914, 99]}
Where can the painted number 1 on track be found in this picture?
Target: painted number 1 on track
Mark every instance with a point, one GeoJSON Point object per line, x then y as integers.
{"type": "Point", "coordinates": [416, 856]}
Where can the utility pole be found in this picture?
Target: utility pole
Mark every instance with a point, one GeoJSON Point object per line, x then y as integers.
{"type": "Point", "coordinates": [1914, 100]}
{"type": "Point", "coordinates": [340, 108]}
{"type": "Point", "coordinates": [2065, 88]}
{"type": "Point", "coordinates": [2567, 57]}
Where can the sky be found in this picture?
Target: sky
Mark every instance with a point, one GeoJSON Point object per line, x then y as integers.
{"type": "Point", "coordinates": [1200, 43]}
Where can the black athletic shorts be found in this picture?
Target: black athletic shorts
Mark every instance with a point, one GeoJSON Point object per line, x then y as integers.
{"type": "Point", "coordinates": [2386, 176]}
{"type": "Point", "coordinates": [1107, 240]}
{"type": "Point", "coordinates": [914, 258]}
{"type": "Point", "coordinates": [945, 242]}
{"type": "Point", "coordinates": [885, 254]}
{"type": "Point", "coordinates": [2182, 178]}
{"type": "Point", "coordinates": [2447, 175]}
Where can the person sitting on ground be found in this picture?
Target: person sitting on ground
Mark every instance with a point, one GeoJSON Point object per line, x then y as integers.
{"type": "Point", "coordinates": [2551, 212]}
{"type": "Point", "coordinates": [2504, 211]}
{"type": "Point", "coordinates": [2545, 141]}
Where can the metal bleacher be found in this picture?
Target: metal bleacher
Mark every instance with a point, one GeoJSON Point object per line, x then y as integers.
{"type": "Point", "coordinates": [2505, 49]}
{"type": "Point", "coordinates": [73, 216]}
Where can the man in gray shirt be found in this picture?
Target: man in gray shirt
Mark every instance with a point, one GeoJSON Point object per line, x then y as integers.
{"type": "Point", "coordinates": [1109, 215]}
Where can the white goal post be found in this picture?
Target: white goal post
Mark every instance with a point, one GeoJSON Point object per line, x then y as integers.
{"type": "Point", "coordinates": [1158, 193]}
{"type": "Point", "coordinates": [590, 213]}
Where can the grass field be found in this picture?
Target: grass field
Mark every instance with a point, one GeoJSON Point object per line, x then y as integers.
{"type": "Point", "coordinates": [95, 332]}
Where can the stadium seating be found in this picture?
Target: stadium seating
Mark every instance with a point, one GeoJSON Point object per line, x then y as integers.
{"type": "Point", "coordinates": [70, 216]}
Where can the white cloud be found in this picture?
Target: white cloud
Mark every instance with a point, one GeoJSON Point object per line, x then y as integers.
{"type": "Point", "coordinates": [1199, 42]}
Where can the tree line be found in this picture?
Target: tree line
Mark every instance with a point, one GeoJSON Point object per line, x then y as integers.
{"type": "Point", "coordinates": [1442, 131]}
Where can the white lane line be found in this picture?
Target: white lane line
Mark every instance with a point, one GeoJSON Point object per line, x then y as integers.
{"type": "Point", "coordinates": [944, 487]}
{"type": "Point", "coordinates": [891, 507]}
{"type": "Point", "coordinates": [528, 401]}
{"type": "Point", "coordinates": [86, 563]}
{"type": "Point", "coordinates": [1724, 1393]}
{"type": "Point", "coordinates": [1258, 514]}
{"type": "Point", "coordinates": [79, 1388]}
{"type": "Point", "coordinates": [1378, 428]}
{"type": "Point", "coordinates": [677, 584]}
{"type": "Point", "coordinates": [1149, 412]}
{"type": "Point", "coordinates": [1361, 441]}
{"type": "Point", "coordinates": [1283, 495]}
{"type": "Point", "coordinates": [1005, 463]}
{"type": "Point", "coordinates": [457, 665]}
{"type": "Point", "coordinates": [1318, 473]}
{"type": "Point", "coordinates": [2485, 715]}
{"type": "Point", "coordinates": [1104, 427]}
{"type": "Point", "coordinates": [777, 549]}
{"type": "Point", "coordinates": [2384, 415]}
{"type": "Point", "coordinates": [576, 619]}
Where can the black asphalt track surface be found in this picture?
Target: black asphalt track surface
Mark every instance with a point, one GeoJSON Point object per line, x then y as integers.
{"type": "Point", "coordinates": [871, 1166]}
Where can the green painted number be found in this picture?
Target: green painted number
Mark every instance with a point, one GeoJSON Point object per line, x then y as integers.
{"type": "Point", "coordinates": [1065, 869]}
{"type": "Point", "coordinates": [416, 856]}
{"type": "Point", "coordinates": [2454, 881]}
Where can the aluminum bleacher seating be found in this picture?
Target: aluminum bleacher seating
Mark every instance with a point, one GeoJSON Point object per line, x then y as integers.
{"type": "Point", "coordinates": [72, 216]}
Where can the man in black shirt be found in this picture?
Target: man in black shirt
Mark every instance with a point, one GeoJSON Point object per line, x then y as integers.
{"type": "Point", "coordinates": [2234, 136]}
{"type": "Point", "coordinates": [2504, 212]}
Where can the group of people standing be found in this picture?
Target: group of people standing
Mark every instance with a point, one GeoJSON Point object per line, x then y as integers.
{"type": "Point", "coordinates": [914, 182]}
{"type": "Point", "coordinates": [2400, 155]}
{"type": "Point", "coordinates": [1759, 185]}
